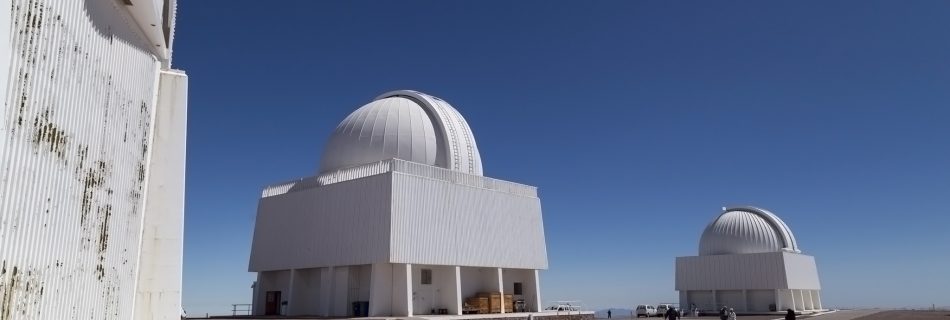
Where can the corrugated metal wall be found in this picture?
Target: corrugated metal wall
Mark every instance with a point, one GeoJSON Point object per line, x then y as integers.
{"type": "Point", "coordinates": [344, 223]}
{"type": "Point", "coordinates": [76, 123]}
{"type": "Point", "coordinates": [439, 217]}
{"type": "Point", "coordinates": [801, 271]}
{"type": "Point", "coordinates": [772, 270]}
{"type": "Point", "coordinates": [731, 272]}
{"type": "Point", "coordinates": [444, 223]}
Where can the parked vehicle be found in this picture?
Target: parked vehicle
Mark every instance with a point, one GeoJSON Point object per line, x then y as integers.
{"type": "Point", "coordinates": [563, 307]}
{"type": "Point", "coordinates": [661, 309]}
{"type": "Point", "coordinates": [646, 310]}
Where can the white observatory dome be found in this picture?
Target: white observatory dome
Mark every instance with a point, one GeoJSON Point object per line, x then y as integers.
{"type": "Point", "coordinates": [746, 230]}
{"type": "Point", "coordinates": [407, 125]}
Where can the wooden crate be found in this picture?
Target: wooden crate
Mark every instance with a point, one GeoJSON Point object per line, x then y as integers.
{"type": "Point", "coordinates": [494, 301]}
{"type": "Point", "coordinates": [509, 303]}
{"type": "Point", "coordinates": [477, 304]}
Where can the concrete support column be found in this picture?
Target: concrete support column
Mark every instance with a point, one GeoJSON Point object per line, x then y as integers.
{"type": "Point", "coordinates": [381, 290]}
{"type": "Point", "coordinates": [801, 297]}
{"type": "Point", "coordinates": [533, 300]}
{"type": "Point", "coordinates": [257, 307]}
{"type": "Point", "coordinates": [409, 289]}
{"type": "Point", "coordinates": [501, 289]}
{"type": "Point", "coordinates": [794, 304]}
{"type": "Point", "coordinates": [326, 292]}
{"type": "Point", "coordinates": [456, 307]}
{"type": "Point", "coordinates": [290, 294]}
{"type": "Point", "coordinates": [402, 290]}
{"type": "Point", "coordinates": [811, 302]}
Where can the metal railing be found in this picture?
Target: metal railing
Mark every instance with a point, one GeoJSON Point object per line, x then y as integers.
{"type": "Point", "coordinates": [565, 307]}
{"type": "Point", "coordinates": [401, 166]}
{"type": "Point", "coordinates": [243, 308]}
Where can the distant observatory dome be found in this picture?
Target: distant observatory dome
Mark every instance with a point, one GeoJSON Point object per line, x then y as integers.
{"type": "Point", "coordinates": [746, 230]}
{"type": "Point", "coordinates": [407, 125]}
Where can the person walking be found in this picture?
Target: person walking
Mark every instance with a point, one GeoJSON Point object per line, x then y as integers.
{"type": "Point", "coordinates": [732, 314]}
{"type": "Point", "coordinates": [790, 314]}
{"type": "Point", "coordinates": [671, 314]}
{"type": "Point", "coordinates": [608, 313]}
{"type": "Point", "coordinates": [724, 313]}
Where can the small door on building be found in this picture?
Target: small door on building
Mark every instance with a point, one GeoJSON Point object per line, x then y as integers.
{"type": "Point", "coordinates": [272, 303]}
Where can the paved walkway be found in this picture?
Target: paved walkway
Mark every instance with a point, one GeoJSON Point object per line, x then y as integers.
{"type": "Point", "coordinates": [844, 314]}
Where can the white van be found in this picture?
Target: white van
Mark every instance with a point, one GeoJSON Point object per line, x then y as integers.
{"type": "Point", "coordinates": [661, 309]}
{"type": "Point", "coordinates": [646, 310]}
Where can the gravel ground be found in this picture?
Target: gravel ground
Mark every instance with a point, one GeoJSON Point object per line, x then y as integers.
{"type": "Point", "coordinates": [908, 315]}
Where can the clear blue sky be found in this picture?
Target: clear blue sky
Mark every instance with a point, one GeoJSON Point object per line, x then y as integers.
{"type": "Point", "coordinates": [637, 120]}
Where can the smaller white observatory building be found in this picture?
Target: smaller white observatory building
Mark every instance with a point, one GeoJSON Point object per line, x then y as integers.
{"type": "Point", "coordinates": [399, 221]}
{"type": "Point", "coordinates": [748, 260]}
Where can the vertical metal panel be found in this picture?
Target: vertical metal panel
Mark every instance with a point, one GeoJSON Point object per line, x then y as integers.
{"type": "Point", "coordinates": [77, 118]}
{"type": "Point", "coordinates": [774, 270]}
{"type": "Point", "coordinates": [159, 285]}
{"type": "Point", "coordinates": [802, 272]}
{"type": "Point", "coordinates": [344, 223]}
{"type": "Point", "coordinates": [444, 223]}
{"type": "Point", "coordinates": [731, 272]}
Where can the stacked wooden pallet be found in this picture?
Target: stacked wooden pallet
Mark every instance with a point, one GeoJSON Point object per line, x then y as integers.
{"type": "Point", "coordinates": [494, 301]}
{"type": "Point", "coordinates": [489, 302]}
{"type": "Point", "coordinates": [477, 304]}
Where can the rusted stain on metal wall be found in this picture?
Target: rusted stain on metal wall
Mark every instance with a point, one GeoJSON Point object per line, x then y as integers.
{"type": "Point", "coordinates": [20, 292]}
{"type": "Point", "coordinates": [48, 136]}
{"type": "Point", "coordinates": [79, 114]}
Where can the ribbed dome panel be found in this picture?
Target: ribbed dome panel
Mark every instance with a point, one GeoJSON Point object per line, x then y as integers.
{"type": "Point", "coordinates": [407, 125]}
{"type": "Point", "coordinates": [394, 127]}
{"type": "Point", "coordinates": [746, 230]}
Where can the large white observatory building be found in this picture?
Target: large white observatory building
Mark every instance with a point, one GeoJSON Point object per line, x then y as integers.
{"type": "Point", "coordinates": [748, 260]}
{"type": "Point", "coordinates": [399, 220]}
{"type": "Point", "coordinates": [93, 127]}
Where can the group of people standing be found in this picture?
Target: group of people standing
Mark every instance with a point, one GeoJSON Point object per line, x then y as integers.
{"type": "Point", "coordinates": [725, 313]}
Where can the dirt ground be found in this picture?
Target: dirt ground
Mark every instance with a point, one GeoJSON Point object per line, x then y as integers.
{"type": "Point", "coordinates": [908, 315]}
{"type": "Point", "coordinates": [843, 315]}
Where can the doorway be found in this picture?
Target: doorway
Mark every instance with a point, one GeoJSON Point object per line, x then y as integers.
{"type": "Point", "coordinates": [272, 303]}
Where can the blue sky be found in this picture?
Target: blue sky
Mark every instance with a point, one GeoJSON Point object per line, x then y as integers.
{"type": "Point", "coordinates": [637, 120]}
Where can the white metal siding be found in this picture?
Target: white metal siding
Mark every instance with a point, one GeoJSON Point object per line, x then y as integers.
{"type": "Point", "coordinates": [158, 294]}
{"type": "Point", "coordinates": [345, 223]}
{"type": "Point", "coordinates": [439, 217]}
{"type": "Point", "coordinates": [463, 178]}
{"type": "Point", "coordinates": [802, 272]}
{"type": "Point", "coordinates": [76, 121]}
{"type": "Point", "coordinates": [444, 223]}
{"type": "Point", "coordinates": [731, 272]}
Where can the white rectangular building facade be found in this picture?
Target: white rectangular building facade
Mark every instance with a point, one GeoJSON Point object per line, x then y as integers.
{"type": "Point", "coordinates": [402, 238]}
{"type": "Point", "coordinates": [752, 282]}
{"type": "Point", "coordinates": [92, 160]}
